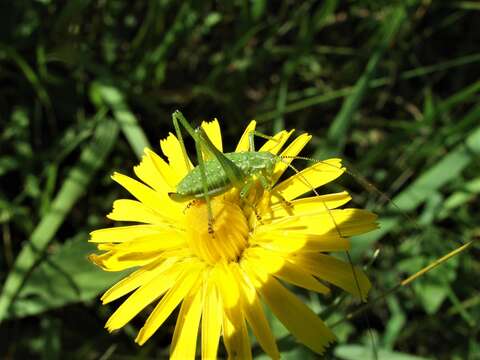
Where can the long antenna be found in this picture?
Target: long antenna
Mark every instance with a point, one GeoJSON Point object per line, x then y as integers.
{"type": "Point", "coordinates": [365, 183]}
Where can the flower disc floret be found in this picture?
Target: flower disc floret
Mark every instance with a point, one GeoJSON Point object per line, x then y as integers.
{"type": "Point", "coordinates": [227, 238]}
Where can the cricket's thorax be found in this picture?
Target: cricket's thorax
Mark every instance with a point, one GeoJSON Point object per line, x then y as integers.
{"type": "Point", "coordinates": [249, 162]}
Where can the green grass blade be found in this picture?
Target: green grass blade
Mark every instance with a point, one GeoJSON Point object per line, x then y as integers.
{"type": "Point", "coordinates": [353, 352]}
{"type": "Point", "coordinates": [29, 74]}
{"type": "Point", "coordinates": [115, 100]}
{"type": "Point", "coordinates": [310, 96]}
{"type": "Point", "coordinates": [444, 65]}
{"type": "Point", "coordinates": [443, 172]}
{"type": "Point", "coordinates": [337, 133]}
{"type": "Point", "coordinates": [74, 186]}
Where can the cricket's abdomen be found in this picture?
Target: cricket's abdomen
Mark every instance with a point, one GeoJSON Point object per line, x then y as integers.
{"type": "Point", "coordinates": [217, 179]}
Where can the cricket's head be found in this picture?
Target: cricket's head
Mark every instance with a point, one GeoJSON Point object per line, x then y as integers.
{"type": "Point", "coordinates": [265, 160]}
{"type": "Point", "coordinates": [175, 196]}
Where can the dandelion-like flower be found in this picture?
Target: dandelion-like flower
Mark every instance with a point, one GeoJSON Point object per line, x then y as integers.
{"type": "Point", "coordinates": [222, 279]}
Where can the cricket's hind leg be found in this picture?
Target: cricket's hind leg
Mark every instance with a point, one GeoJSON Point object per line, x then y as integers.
{"type": "Point", "coordinates": [266, 183]}
{"type": "Point", "coordinates": [176, 116]}
{"type": "Point", "coordinates": [189, 205]}
{"type": "Point", "coordinates": [178, 119]}
{"type": "Point", "coordinates": [251, 141]}
{"type": "Point", "coordinates": [203, 176]}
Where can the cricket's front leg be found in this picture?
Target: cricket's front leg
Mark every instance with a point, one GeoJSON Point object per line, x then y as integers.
{"type": "Point", "coordinates": [251, 141]}
{"type": "Point", "coordinates": [266, 183]}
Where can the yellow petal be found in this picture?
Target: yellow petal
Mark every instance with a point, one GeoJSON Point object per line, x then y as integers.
{"type": "Point", "coordinates": [159, 202]}
{"type": "Point", "coordinates": [212, 129]}
{"type": "Point", "coordinates": [260, 257]}
{"type": "Point", "coordinates": [309, 179]}
{"type": "Point", "coordinates": [167, 173]}
{"type": "Point", "coordinates": [296, 316]}
{"type": "Point", "coordinates": [291, 242]}
{"type": "Point", "coordinates": [276, 143]}
{"type": "Point", "coordinates": [117, 261]}
{"type": "Point", "coordinates": [292, 150]}
{"type": "Point", "coordinates": [123, 233]}
{"type": "Point", "coordinates": [305, 206]}
{"type": "Point", "coordinates": [256, 278]}
{"type": "Point", "coordinates": [341, 222]}
{"type": "Point", "coordinates": [227, 286]}
{"type": "Point", "coordinates": [172, 149]}
{"type": "Point", "coordinates": [277, 265]}
{"type": "Point", "coordinates": [132, 210]}
{"type": "Point", "coordinates": [235, 335]}
{"type": "Point", "coordinates": [146, 294]}
{"type": "Point", "coordinates": [211, 320]}
{"type": "Point", "coordinates": [255, 315]}
{"type": "Point", "coordinates": [243, 144]}
{"type": "Point", "coordinates": [186, 329]}
{"type": "Point", "coordinates": [295, 275]}
{"type": "Point", "coordinates": [136, 279]}
{"type": "Point", "coordinates": [335, 271]}
{"type": "Point", "coordinates": [106, 246]}
{"type": "Point", "coordinates": [148, 172]}
{"type": "Point", "coordinates": [161, 241]}
{"type": "Point", "coordinates": [169, 302]}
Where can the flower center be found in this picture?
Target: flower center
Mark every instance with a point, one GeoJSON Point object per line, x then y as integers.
{"type": "Point", "coordinates": [230, 230]}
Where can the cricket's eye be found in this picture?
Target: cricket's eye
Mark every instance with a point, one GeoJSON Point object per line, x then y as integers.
{"type": "Point", "coordinates": [230, 230]}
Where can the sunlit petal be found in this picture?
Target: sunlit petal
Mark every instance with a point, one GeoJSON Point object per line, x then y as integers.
{"type": "Point", "coordinates": [335, 271]}
{"type": "Point", "coordinates": [244, 143]}
{"type": "Point", "coordinates": [274, 144]}
{"type": "Point", "coordinates": [186, 329]}
{"type": "Point", "coordinates": [169, 302]}
{"type": "Point", "coordinates": [302, 322]}
{"type": "Point", "coordinates": [287, 155]}
{"type": "Point", "coordinates": [306, 180]}
{"type": "Point", "coordinates": [211, 319]}
{"type": "Point", "coordinates": [172, 149]}
{"type": "Point", "coordinates": [212, 129]}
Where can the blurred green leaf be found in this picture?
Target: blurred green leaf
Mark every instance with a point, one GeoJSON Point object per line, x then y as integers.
{"type": "Point", "coordinates": [51, 331]}
{"type": "Point", "coordinates": [447, 169]}
{"type": "Point", "coordinates": [396, 323]}
{"type": "Point", "coordinates": [470, 190]}
{"type": "Point", "coordinates": [64, 277]}
{"type": "Point", "coordinates": [29, 74]}
{"type": "Point", "coordinates": [336, 136]}
{"type": "Point", "coordinates": [114, 98]}
{"type": "Point", "coordinates": [74, 186]}
{"type": "Point", "coordinates": [355, 352]}
{"type": "Point", "coordinates": [431, 295]}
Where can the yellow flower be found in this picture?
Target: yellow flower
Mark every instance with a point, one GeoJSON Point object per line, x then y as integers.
{"type": "Point", "coordinates": [223, 280]}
